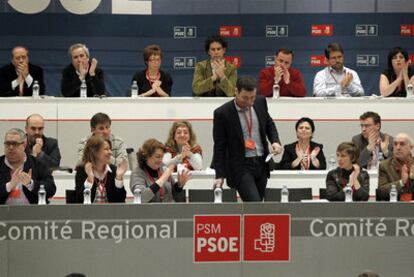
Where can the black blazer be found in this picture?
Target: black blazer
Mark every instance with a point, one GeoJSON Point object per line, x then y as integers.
{"type": "Point", "coordinates": [70, 83]}
{"type": "Point", "coordinates": [114, 194]}
{"type": "Point", "coordinates": [41, 174]}
{"type": "Point", "coordinates": [8, 74]}
{"type": "Point", "coordinates": [229, 150]}
{"type": "Point", "coordinates": [289, 155]}
{"type": "Point", "coordinates": [50, 152]}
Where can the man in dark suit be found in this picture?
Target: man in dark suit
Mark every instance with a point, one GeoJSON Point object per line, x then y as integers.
{"type": "Point", "coordinates": [18, 77]}
{"type": "Point", "coordinates": [21, 175]}
{"type": "Point", "coordinates": [45, 149]}
{"type": "Point", "coordinates": [240, 147]}
{"type": "Point", "coordinates": [82, 69]}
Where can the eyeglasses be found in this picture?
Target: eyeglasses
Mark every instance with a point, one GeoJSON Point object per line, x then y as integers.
{"type": "Point", "coordinates": [366, 125]}
{"type": "Point", "coordinates": [14, 144]}
{"type": "Point", "coordinates": [154, 60]}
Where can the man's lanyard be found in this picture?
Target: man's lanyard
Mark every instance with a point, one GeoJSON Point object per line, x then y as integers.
{"type": "Point", "coordinates": [249, 124]}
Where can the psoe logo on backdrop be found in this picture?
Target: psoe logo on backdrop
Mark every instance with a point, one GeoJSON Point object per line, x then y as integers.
{"type": "Point", "coordinates": [366, 30]}
{"type": "Point", "coordinates": [269, 61]}
{"type": "Point", "coordinates": [84, 6]}
{"type": "Point", "coordinates": [217, 238]}
{"type": "Point", "coordinates": [318, 60]}
{"type": "Point", "coordinates": [407, 30]}
{"type": "Point", "coordinates": [367, 60]}
{"type": "Point", "coordinates": [230, 31]}
{"type": "Point", "coordinates": [236, 60]}
{"type": "Point", "coordinates": [184, 62]}
{"type": "Point", "coordinates": [266, 237]}
{"type": "Point", "coordinates": [181, 32]}
{"type": "Point", "coordinates": [273, 31]}
{"type": "Point", "coordinates": [325, 30]}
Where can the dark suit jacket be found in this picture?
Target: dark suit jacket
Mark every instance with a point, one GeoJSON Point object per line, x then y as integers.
{"type": "Point", "coordinates": [70, 83]}
{"type": "Point", "coordinates": [8, 74]}
{"type": "Point", "coordinates": [50, 154]}
{"type": "Point", "coordinates": [289, 155]}
{"type": "Point", "coordinates": [41, 174]}
{"type": "Point", "coordinates": [114, 194]}
{"type": "Point", "coordinates": [229, 150]}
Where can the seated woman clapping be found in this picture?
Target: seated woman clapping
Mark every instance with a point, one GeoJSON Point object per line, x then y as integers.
{"type": "Point", "coordinates": [347, 172]}
{"type": "Point", "coordinates": [156, 184]}
{"type": "Point", "coordinates": [98, 174]}
{"type": "Point", "coordinates": [182, 147]}
{"type": "Point", "coordinates": [303, 154]}
{"type": "Point", "coordinates": [399, 74]}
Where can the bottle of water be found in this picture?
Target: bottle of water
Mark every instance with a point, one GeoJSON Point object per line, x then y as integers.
{"type": "Point", "coordinates": [35, 89]}
{"type": "Point", "coordinates": [348, 193]}
{"type": "Point", "coordinates": [134, 89]}
{"type": "Point", "coordinates": [87, 196]}
{"type": "Point", "coordinates": [338, 92]}
{"type": "Point", "coordinates": [331, 162]}
{"type": "Point", "coordinates": [218, 195]}
{"type": "Point", "coordinates": [276, 91]}
{"type": "Point", "coordinates": [83, 89]}
{"type": "Point", "coordinates": [42, 195]}
{"type": "Point", "coordinates": [409, 90]}
{"type": "Point", "coordinates": [284, 194]}
{"type": "Point", "coordinates": [393, 194]}
{"type": "Point", "coordinates": [137, 196]}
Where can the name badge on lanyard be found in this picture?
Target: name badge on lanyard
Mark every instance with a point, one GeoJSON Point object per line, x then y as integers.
{"type": "Point", "coordinates": [249, 143]}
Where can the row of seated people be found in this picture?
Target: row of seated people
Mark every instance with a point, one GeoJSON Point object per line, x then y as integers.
{"type": "Point", "coordinates": [212, 77]}
{"type": "Point", "coordinates": [102, 161]}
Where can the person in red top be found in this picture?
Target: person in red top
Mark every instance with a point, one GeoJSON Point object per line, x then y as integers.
{"type": "Point", "coordinates": [290, 80]}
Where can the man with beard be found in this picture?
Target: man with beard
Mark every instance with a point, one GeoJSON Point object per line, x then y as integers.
{"type": "Point", "coordinates": [336, 79]}
{"type": "Point", "coordinates": [43, 148]}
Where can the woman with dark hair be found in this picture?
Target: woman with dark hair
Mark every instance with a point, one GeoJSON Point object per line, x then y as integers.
{"type": "Point", "coordinates": [347, 172]}
{"type": "Point", "coordinates": [182, 147]}
{"type": "Point", "coordinates": [155, 183]}
{"type": "Point", "coordinates": [395, 79]}
{"type": "Point", "coordinates": [96, 172]}
{"type": "Point", "coordinates": [304, 154]}
{"type": "Point", "coordinates": [152, 81]}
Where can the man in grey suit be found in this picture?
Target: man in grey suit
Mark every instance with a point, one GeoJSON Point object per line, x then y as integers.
{"type": "Point", "coordinates": [240, 129]}
{"type": "Point", "coordinates": [371, 142]}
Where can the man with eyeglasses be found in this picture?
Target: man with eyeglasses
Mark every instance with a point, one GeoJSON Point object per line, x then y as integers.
{"type": "Point", "coordinates": [371, 142]}
{"type": "Point", "coordinates": [39, 146]}
{"type": "Point", "coordinates": [288, 79]}
{"type": "Point", "coordinates": [336, 79]}
{"type": "Point", "coordinates": [21, 175]}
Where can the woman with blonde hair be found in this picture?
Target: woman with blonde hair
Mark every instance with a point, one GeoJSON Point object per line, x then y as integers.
{"type": "Point", "coordinates": [96, 172]}
{"type": "Point", "coordinates": [182, 147]}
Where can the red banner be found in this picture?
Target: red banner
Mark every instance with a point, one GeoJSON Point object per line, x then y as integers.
{"type": "Point", "coordinates": [230, 31]}
{"type": "Point", "coordinates": [266, 238]}
{"type": "Point", "coordinates": [322, 30]}
{"type": "Point", "coordinates": [236, 60]}
{"type": "Point", "coordinates": [318, 60]}
{"type": "Point", "coordinates": [217, 238]}
{"type": "Point", "coordinates": [406, 30]}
